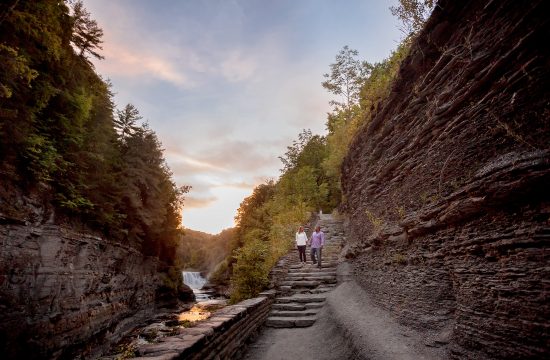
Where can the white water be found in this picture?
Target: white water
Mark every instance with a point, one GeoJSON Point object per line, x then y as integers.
{"type": "Point", "coordinates": [195, 281]}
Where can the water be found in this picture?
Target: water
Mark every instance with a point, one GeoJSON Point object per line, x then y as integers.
{"type": "Point", "coordinates": [195, 281]}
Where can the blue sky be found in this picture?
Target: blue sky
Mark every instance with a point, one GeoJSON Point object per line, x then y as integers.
{"type": "Point", "coordinates": [227, 85]}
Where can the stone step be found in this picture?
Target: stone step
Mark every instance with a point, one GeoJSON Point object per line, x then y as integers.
{"type": "Point", "coordinates": [321, 290]}
{"type": "Point", "coordinates": [316, 274]}
{"type": "Point", "coordinates": [297, 306]}
{"type": "Point", "coordinates": [321, 279]}
{"type": "Point", "coordinates": [313, 268]}
{"type": "Point", "coordinates": [290, 322]}
{"type": "Point", "coordinates": [286, 313]}
{"type": "Point", "coordinates": [301, 298]}
{"type": "Point", "coordinates": [301, 283]}
{"type": "Point", "coordinates": [289, 307]}
{"type": "Point", "coordinates": [306, 291]}
{"type": "Point", "coordinates": [314, 305]}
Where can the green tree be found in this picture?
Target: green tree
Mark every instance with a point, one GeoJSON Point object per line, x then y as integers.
{"type": "Point", "coordinates": [126, 122]}
{"type": "Point", "coordinates": [252, 214]}
{"type": "Point", "coordinates": [412, 14]}
{"type": "Point", "coordinates": [87, 35]}
{"type": "Point", "coordinates": [346, 76]}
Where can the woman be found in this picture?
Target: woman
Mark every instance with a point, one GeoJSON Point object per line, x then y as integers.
{"type": "Point", "coordinates": [301, 240]}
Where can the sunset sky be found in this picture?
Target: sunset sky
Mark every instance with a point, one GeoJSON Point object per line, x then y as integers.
{"type": "Point", "coordinates": [227, 85]}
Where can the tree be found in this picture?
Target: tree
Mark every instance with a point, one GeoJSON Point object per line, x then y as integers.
{"type": "Point", "coordinates": [346, 77]}
{"type": "Point", "coordinates": [86, 33]}
{"type": "Point", "coordinates": [413, 14]}
{"type": "Point", "coordinates": [290, 159]}
{"type": "Point", "coordinates": [58, 136]}
{"type": "Point", "coordinates": [126, 122]}
{"type": "Point", "coordinates": [252, 214]}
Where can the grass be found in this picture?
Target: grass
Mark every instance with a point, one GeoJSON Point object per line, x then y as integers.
{"type": "Point", "coordinates": [376, 222]}
{"type": "Point", "coordinates": [399, 259]}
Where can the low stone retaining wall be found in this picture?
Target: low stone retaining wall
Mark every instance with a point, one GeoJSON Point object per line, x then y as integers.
{"type": "Point", "coordinates": [219, 337]}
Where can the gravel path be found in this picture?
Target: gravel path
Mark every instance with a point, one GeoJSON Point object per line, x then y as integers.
{"type": "Point", "coordinates": [321, 341]}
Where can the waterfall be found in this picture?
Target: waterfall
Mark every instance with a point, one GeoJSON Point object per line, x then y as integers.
{"type": "Point", "coordinates": [193, 279]}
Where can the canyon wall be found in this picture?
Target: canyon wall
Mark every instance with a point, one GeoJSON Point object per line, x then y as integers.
{"type": "Point", "coordinates": [64, 291]}
{"type": "Point", "coordinates": [447, 190]}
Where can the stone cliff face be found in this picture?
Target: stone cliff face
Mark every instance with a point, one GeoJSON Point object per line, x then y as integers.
{"type": "Point", "coordinates": [64, 292]}
{"type": "Point", "coordinates": [448, 189]}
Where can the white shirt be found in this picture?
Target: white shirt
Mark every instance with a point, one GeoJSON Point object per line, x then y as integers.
{"type": "Point", "coordinates": [301, 238]}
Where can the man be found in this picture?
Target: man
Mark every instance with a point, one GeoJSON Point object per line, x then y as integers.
{"type": "Point", "coordinates": [317, 243]}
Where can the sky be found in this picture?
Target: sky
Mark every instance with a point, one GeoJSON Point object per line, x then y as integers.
{"type": "Point", "coordinates": [227, 85]}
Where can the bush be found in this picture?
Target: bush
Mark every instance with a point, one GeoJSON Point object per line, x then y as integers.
{"type": "Point", "coordinates": [250, 272]}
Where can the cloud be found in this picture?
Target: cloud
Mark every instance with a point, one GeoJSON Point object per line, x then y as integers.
{"type": "Point", "coordinates": [131, 62]}
{"type": "Point", "coordinates": [192, 202]}
{"type": "Point", "coordinates": [183, 164]}
{"type": "Point", "coordinates": [239, 155]}
{"type": "Point", "coordinates": [238, 67]}
{"type": "Point", "coordinates": [238, 185]}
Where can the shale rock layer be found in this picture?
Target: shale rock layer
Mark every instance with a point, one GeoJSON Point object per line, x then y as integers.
{"type": "Point", "coordinates": [65, 293]}
{"type": "Point", "coordinates": [448, 188]}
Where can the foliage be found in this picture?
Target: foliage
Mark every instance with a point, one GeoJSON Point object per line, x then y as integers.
{"type": "Point", "coordinates": [86, 33]}
{"type": "Point", "coordinates": [204, 252]}
{"type": "Point", "coordinates": [413, 14]}
{"type": "Point", "coordinates": [342, 124]}
{"type": "Point", "coordinates": [126, 122]}
{"type": "Point", "coordinates": [345, 79]}
{"type": "Point", "coordinates": [267, 219]}
{"type": "Point", "coordinates": [58, 133]}
{"type": "Point", "coordinates": [250, 270]}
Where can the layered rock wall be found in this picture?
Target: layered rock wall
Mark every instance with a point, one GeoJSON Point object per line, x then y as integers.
{"type": "Point", "coordinates": [448, 188]}
{"type": "Point", "coordinates": [64, 292]}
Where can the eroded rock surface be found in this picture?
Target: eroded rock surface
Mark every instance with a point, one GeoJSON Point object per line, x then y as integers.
{"type": "Point", "coordinates": [64, 292]}
{"type": "Point", "coordinates": [448, 189]}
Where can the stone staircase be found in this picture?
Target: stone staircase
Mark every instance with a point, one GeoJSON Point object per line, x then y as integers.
{"type": "Point", "coordinates": [303, 291]}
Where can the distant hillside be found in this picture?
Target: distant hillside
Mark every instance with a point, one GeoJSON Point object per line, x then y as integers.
{"type": "Point", "coordinates": [203, 252]}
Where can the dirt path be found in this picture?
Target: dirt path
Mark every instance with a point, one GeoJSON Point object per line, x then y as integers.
{"type": "Point", "coordinates": [321, 341]}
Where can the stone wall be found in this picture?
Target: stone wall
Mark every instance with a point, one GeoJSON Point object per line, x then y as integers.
{"type": "Point", "coordinates": [447, 189]}
{"type": "Point", "coordinates": [63, 292]}
{"type": "Point", "coordinates": [222, 336]}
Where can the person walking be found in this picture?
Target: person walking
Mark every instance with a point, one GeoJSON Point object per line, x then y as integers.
{"type": "Point", "coordinates": [317, 243]}
{"type": "Point", "coordinates": [301, 240]}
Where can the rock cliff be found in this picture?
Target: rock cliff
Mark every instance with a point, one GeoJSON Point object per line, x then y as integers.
{"type": "Point", "coordinates": [448, 188]}
{"type": "Point", "coordinates": [64, 291]}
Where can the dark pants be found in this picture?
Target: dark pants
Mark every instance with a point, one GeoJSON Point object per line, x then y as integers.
{"type": "Point", "coordinates": [316, 256]}
{"type": "Point", "coordinates": [302, 252]}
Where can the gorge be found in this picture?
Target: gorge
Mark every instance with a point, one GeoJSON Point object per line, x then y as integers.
{"type": "Point", "coordinates": [445, 202]}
